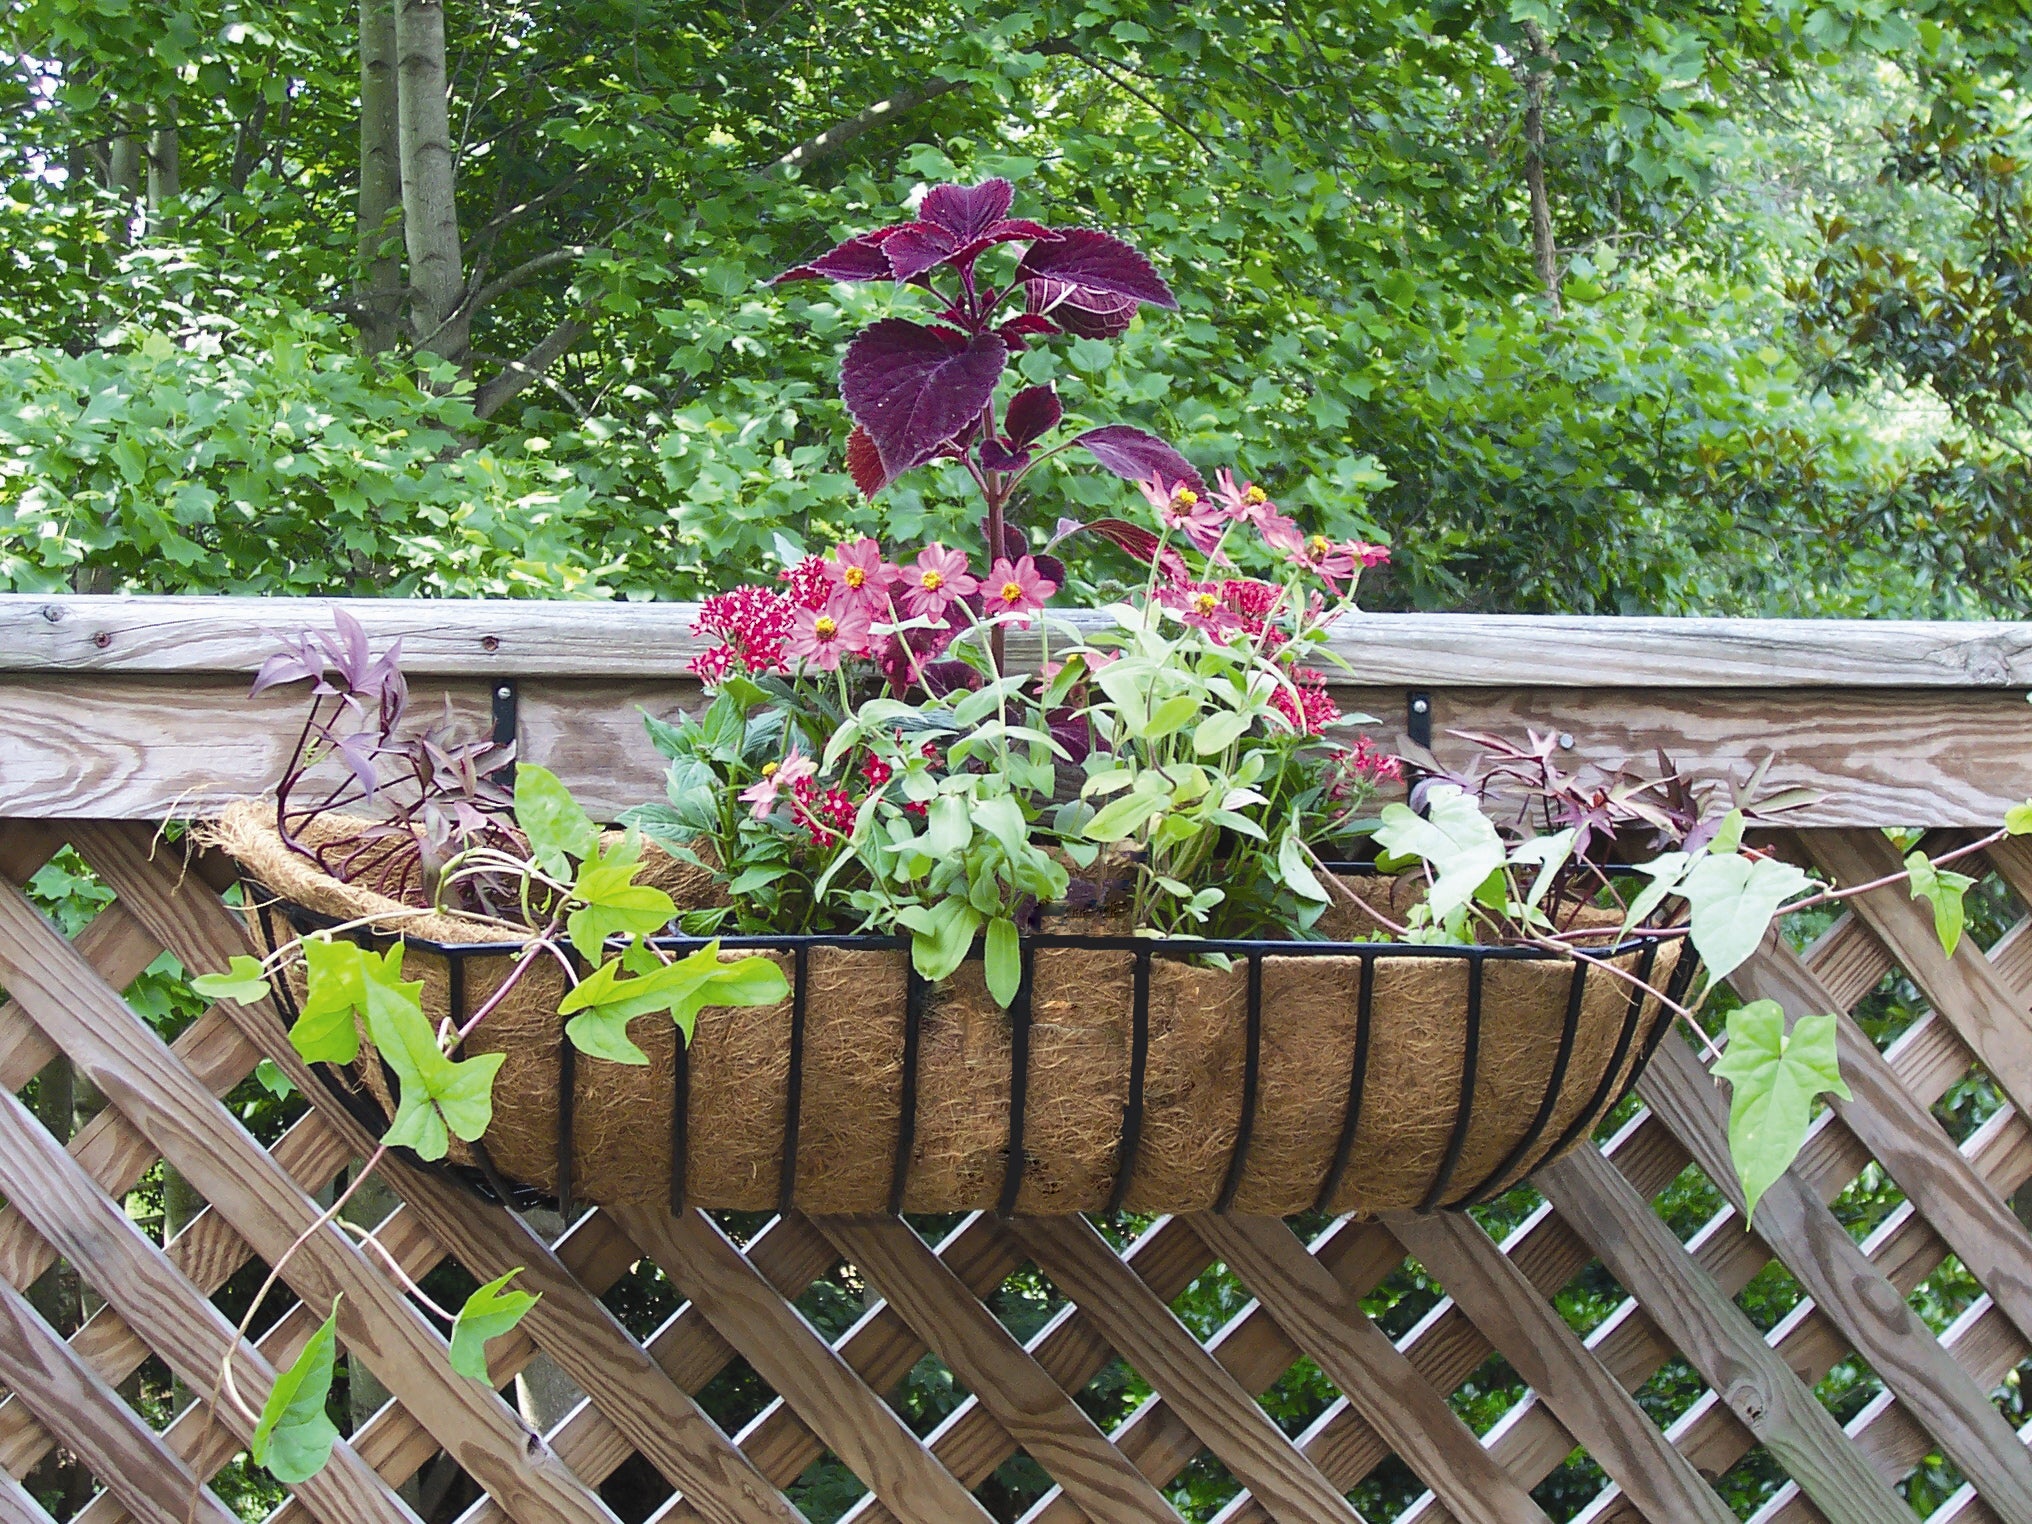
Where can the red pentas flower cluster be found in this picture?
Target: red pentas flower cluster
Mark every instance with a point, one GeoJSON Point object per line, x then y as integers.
{"type": "Point", "coordinates": [1306, 703]}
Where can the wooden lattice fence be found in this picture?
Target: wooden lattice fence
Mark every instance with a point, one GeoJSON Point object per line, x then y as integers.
{"type": "Point", "coordinates": [116, 715]}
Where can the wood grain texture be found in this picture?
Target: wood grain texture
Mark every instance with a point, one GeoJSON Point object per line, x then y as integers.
{"type": "Point", "coordinates": [108, 1437]}
{"type": "Point", "coordinates": [137, 1278]}
{"type": "Point", "coordinates": [1534, 1338]}
{"type": "Point", "coordinates": [531, 638]}
{"type": "Point", "coordinates": [1146, 1333]}
{"type": "Point", "coordinates": [1855, 1295]}
{"type": "Point", "coordinates": [1330, 1326]}
{"type": "Point", "coordinates": [158, 1095]}
{"type": "Point", "coordinates": [138, 747]}
{"type": "Point", "coordinates": [789, 1354]}
{"type": "Point", "coordinates": [1716, 1338]}
{"type": "Point", "coordinates": [991, 1363]}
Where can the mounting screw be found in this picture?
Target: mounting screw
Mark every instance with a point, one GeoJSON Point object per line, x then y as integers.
{"type": "Point", "coordinates": [1566, 740]}
{"type": "Point", "coordinates": [103, 639]}
{"type": "Point", "coordinates": [1424, 706]}
{"type": "Point", "coordinates": [52, 612]}
{"type": "Point", "coordinates": [504, 693]}
{"type": "Point", "coordinates": [490, 642]}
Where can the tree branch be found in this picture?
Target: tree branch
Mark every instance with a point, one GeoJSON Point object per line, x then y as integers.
{"type": "Point", "coordinates": [840, 134]}
{"type": "Point", "coordinates": [1536, 75]}
{"type": "Point", "coordinates": [517, 375]}
{"type": "Point", "coordinates": [529, 269]}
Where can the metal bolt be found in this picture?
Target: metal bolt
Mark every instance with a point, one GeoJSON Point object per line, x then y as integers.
{"type": "Point", "coordinates": [1566, 740]}
{"type": "Point", "coordinates": [504, 693]}
{"type": "Point", "coordinates": [490, 642]}
{"type": "Point", "coordinates": [103, 639]}
{"type": "Point", "coordinates": [52, 612]}
{"type": "Point", "coordinates": [1420, 706]}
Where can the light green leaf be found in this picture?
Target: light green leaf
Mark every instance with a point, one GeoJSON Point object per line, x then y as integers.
{"type": "Point", "coordinates": [1175, 713]}
{"type": "Point", "coordinates": [1774, 1077]}
{"type": "Point", "coordinates": [607, 1003]}
{"type": "Point", "coordinates": [2018, 819]}
{"type": "Point", "coordinates": [436, 1094]}
{"type": "Point", "coordinates": [557, 828]}
{"type": "Point", "coordinates": [1728, 837]}
{"type": "Point", "coordinates": [1124, 816]}
{"type": "Point", "coordinates": [612, 902]}
{"type": "Point", "coordinates": [1943, 889]}
{"type": "Point", "coordinates": [941, 935]}
{"type": "Point", "coordinates": [335, 988]}
{"type": "Point", "coordinates": [1217, 732]}
{"type": "Point", "coordinates": [1733, 899]}
{"type": "Point", "coordinates": [1453, 837]}
{"type": "Point", "coordinates": [488, 1313]}
{"type": "Point", "coordinates": [1002, 818]}
{"type": "Point", "coordinates": [243, 981]}
{"type": "Point", "coordinates": [273, 1080]}
{"type": "Point", "coordinates": [293, 1438]}
{"type": "Point", "coordinates": [947, 829]}
{"type": "Point", "coordinates": [1665, 873]}
{"type": "Point", "coordinates": [1550, 854]}
{"type": "Point", "coordinates": [1004, 959]}
{"type": "Point", "coordinates": [1295, 872]}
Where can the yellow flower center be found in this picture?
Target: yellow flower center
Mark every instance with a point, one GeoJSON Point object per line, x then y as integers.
{"type": "Point", "coordinates": [825, 628]}
{"type": "Point", "coordinates": [1185, 497]}
{"type": "Point", "coordinates": [1012, 592]}
{"type": "Point", "coordinates": [769, 769]}
{"type": "Point", "coordinates": [1319, 544]}
{"type": "Point", "coordinates": [931, 582]}
{"type": "Point", "coordinates": [1256, 497]}
{"type": "Point", "coordinates": [1206, 603]}
{"type": "Point", "coordinates": [855, 576]}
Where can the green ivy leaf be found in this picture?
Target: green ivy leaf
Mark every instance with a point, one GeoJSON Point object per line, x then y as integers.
{"type": "Point", "coordinates": [603, 1004]}
{"type": "Point", "coordinates": [1943, 889]}
{"type": "Point", "coordinates": [1003, 953]}
{"type": "Point", "coordinates": [1295, 872]}
{"type": "Point", "coordinates": [437, 1094]}
{"type": "Point", "coordinates": [336, 973]}
{"type": "Point", "coordinates": [1733, 899]}
{"type": "Point", "coordinates": [557, 828]}
{"type": "Point", "coordinates": [613, 902]}
{"type": "Point", "coordinates": [293, 1438]}
{"type": "Point", "coordinates": [1774, 1076]}
{"type": "Point", "coordinates": [488, 1313]}
{"type": "Point", "coordinates": [243, 981]}
{"type": "Point", "coordinates": [1453, 837]}
{"type": "Point", "coordinates": [273, 1080]}
{"type": "Point", "coordinates": [2018, 819]}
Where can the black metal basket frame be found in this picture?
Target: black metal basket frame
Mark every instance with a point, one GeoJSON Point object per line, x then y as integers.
{"type": "Point", "coordinates": [488, 1181]}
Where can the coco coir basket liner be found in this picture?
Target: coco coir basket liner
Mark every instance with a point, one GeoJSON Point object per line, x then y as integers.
{"type": "Point", "coordinates": [1347, 1076]}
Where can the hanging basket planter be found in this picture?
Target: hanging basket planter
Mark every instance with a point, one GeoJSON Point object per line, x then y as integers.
{"type": "Point", "coordinates": [1128, 1073]}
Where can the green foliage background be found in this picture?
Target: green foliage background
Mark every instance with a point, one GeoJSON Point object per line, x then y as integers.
{"type": "Point", "coordinates": [1785, 374]}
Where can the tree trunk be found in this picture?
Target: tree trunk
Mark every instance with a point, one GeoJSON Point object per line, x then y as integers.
{"type": "Point", "coordinates": [123, 179]}
{"type": "Point", "coordinates": [430, 217]}
{"type": "Point", "coordinates": [378, 287]}
{"type": "Point", "coordinates": [56, 1295]}
{"type": "Point", "coordinates": [1537, 75]}
{"type": "Point", "coordinates": [165, 175]}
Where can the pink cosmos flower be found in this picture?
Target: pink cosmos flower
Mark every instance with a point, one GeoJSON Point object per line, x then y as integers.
{"type": "Point", "coordinates": [1017, 590]}
{"type": "Point", "coordinates": [776, 777]}
{"type": "Point", "coordinates": [1338, 561]}
{"type": "Point", "coordinates": [1201, 605]}
{"type": "Point", "coordinates": [938, 577]}
{"type": "Point", "coordinates": [1184, 511]}
{"type": "Point", "coordinates": [821, 637]}
{"type": "Point", "coordinates": [1280, 532]}
{"type": "Point", "coordinates": [1244, 502]}
{"type": "Point", "coordinates": [858, 575]}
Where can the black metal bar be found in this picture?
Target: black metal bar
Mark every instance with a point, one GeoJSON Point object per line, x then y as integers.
{"type": "Point", "coordinates": [1358, 1079]}
{"type": "Point", "coordinates": [1019, 1087]}
{"type": "Point", "coordinates": [1418, 717]}
{"type": "Point", "coordinates": [914, 992]}
{"type": "Point", "coordinates": [793, 1086]}
{"type": "Point", "coordinates": [567, 1106]}
{"type": "Point", "coordinates": [1252, 1066]}
{"type": "Point", "coordinates": [1464, 1113]}
{"type": "Point", "coordinates": [1675, 992]}
{"type": "Point", "coordinates": [1599, 1102]}
{"type": "Point", "coordinates": [680, 1122]}
{"type": "Point", "coordinates": [506, 710]}
{"type": "Point", "coordinates": [1139, 1059]}
{"type": "Point", "coordinates": [1555, 1088]}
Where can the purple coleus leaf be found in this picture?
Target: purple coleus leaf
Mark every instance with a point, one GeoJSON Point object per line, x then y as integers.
{"type": "Point", "coordinates": [859, 258]}
{"type": "Point", "coordinates": [1028, 326]}
{"type": "Point", "coordinates": [913, 392]}
{"type": "Point", "coordinates": [1032, 413]}
{"type": "Point", "coordinates": [1136, 540]}
{"type": "Point", "coordinates": [1098, 263]}
{"type": "Point", "coordinates": [996, 455]}
{"type": "Point", "coordinates": [864, 463]}
{"type": "Point", "coordinates": [1139, 457]}
{"type": "Point", "coordinates": [956, 225]}
{"type": "Point", "coordinates": [967, 211]}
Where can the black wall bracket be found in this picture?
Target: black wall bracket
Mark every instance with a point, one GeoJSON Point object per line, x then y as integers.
{"type": "Point", "coordinates": [1418, 717]}
{"type": "Point", "coordinates": [505, 718]}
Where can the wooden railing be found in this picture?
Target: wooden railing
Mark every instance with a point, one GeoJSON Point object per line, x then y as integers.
{"type": "Point", "coordinates": [117, 714]}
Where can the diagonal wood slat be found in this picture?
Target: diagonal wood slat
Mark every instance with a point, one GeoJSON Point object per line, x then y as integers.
{"type": "Point", "coordinates": [1146, 1333]}
{"type": "Point", "coordinates": [1716, 1338]}
{"type": "Point", "coordinates": [1843, 1283]}
{"type": "Point", "coordinates": [1592, 1404]}
{"type": "Point", "coordinates": [1357, 1357]}
{"type": "Point", "coordinates": [140, 1076]}
{"type": "Point", "coordinates": [990, 1362]}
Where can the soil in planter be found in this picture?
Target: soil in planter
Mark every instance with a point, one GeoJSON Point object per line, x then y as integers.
{"type": "Point", "coordinates": [1078, 1072]}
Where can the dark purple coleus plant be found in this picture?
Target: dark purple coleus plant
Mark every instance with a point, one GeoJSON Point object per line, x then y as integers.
{"type": "Point", "coordinates": [920, 392]}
